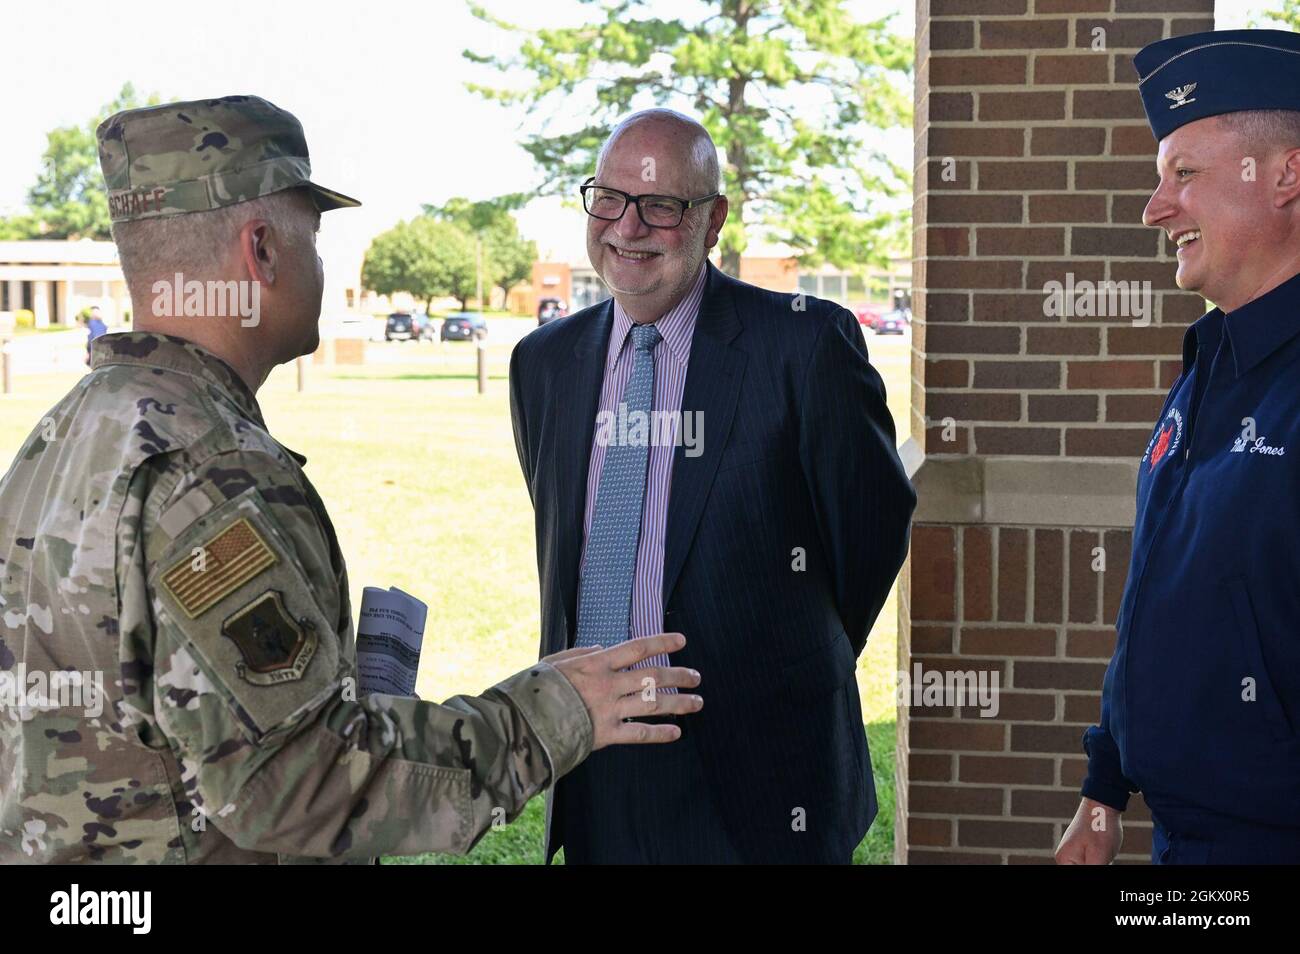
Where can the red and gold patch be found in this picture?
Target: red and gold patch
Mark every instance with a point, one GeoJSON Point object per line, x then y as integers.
{"type": "Point", "coordinates": [1168, 435]}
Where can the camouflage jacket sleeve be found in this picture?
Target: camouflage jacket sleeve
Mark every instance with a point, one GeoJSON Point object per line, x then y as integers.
{"type": "Point", "coordinates": [254, 687]}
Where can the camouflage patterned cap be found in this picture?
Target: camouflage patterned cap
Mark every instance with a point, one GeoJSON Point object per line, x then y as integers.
{"type": "Point", "coordinates": [204, 155]}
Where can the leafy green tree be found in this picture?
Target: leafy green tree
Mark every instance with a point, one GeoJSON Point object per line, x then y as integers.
{"type": "Point", "coordinates": [68, 200]}
{"type": "Point", "coordinates": [17, 228]}
{"type": "Point", "coordinates": [1288, 17]}
{"type": "Point", "coordinates": [478, 216]}
{"type": "Point", "coordinates": [425, 258]}
{"type": "Point", "coordinates": [791, 91]}
{"type": "Point", "coordinates": [507, 257]}
{"type": "Point", "coordinates": [511, 257]}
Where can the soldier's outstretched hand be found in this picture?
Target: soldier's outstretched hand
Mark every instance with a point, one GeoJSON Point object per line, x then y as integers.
{"type": "Point", "coordinates": [613, 692]}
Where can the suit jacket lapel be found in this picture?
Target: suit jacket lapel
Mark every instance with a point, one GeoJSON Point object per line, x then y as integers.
{"type": "Point", "coordinates": [578, 398]}
{"type": "Point", "coordinates": [713, 381]}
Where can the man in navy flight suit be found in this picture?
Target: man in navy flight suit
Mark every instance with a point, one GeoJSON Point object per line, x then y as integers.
{"type": "Point", "coordinates": [1201, 701]}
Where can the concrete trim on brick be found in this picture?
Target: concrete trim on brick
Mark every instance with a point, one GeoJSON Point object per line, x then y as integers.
{"type": "Point", "coordinates": [1077, 493]}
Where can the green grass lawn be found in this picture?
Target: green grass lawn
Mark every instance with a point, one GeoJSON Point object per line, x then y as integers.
{"type": "Point", "coordinates": [421, 479]}
{"type": "Point", "coordinates": [48, 329]}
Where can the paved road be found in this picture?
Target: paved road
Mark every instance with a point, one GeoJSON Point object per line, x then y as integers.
{"type": "Point", "coordinates": [48, 351]}
{"type": "Point", "coordinates": [66, 350]}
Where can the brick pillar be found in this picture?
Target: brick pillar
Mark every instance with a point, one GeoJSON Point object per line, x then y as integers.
{"type": "Point", "coordinates": [1033, 164]}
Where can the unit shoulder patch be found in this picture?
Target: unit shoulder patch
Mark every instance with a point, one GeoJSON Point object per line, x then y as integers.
{"type": "Point", "coordinates": [275, 647]}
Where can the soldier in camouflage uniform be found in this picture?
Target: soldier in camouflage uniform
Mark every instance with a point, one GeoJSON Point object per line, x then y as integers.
{"type": "Point", "coordinates": [152, 532]}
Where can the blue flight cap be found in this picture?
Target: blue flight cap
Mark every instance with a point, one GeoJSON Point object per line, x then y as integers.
{"type": "Point", "coordinates": [1186, 78]}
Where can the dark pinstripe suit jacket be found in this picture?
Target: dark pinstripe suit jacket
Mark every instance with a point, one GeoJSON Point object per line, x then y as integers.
{"type": "Point", "coordinates": [798, 457]}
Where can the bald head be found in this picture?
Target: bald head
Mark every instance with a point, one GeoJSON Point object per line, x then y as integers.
{"type": "Point", "coordinates": [665, 132]}
{"type": "Point", "coordinates": [656, 152]}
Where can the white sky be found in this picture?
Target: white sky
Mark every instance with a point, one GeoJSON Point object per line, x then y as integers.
{"type": "Point", "coordinates": [378, 86]}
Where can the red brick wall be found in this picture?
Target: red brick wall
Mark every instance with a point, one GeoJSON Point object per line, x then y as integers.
{"type": "Point", "coordinates": [550, 280]}
{"type": "Point", "coordinates": [778, 274]}
{"type": "Point", "coordinates": [1049, 164]}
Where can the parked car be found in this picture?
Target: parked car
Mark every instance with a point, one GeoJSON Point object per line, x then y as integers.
{"type": "Point", "coordinates": [464, 326]}
{"type": "Point", "coordinates": [548, 309]}
{"type": "Point", "coordinates": [867, 314]}
{"type": "Point", "coordinates": [892, 322]}
{"type": "Point", "coordinates": [408, 326]}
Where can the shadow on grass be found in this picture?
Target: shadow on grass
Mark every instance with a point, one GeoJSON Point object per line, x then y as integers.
{"type": "Point", "coordinates": [521, 842]}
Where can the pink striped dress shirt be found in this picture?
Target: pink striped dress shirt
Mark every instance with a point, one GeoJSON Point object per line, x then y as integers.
{"type": "Point", "coordinates": [671, 356]}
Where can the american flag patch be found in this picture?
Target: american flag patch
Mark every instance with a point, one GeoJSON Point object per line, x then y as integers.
{"type": "Point", "coordinates": [228, 561]}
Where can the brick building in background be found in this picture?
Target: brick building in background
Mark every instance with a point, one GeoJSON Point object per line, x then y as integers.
{"type": "Point", "coordinates": [1033, 160]}
{"type": "Point", "coordinates": [767, 266]}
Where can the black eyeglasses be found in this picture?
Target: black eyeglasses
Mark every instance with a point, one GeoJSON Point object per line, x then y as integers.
{"type": "Point", "coordinates": [656, 211]}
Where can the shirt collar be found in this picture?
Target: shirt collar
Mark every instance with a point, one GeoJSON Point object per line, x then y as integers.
{"type": "Point", "coordinates": [149, 349]}
{"type": "Point", "coordinates": [675, 327]}
{"type": "Point", "coordinates": [1203, 334]}
{"type": "Point", "coordinates": [1260, 327]}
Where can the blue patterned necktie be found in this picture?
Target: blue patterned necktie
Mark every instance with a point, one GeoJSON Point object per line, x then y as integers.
{"type": "Point", "coordinates": [605, 595]}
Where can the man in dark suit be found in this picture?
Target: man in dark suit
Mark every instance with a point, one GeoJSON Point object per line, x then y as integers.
{"type": "Point", "coordinates": [767, 523]}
